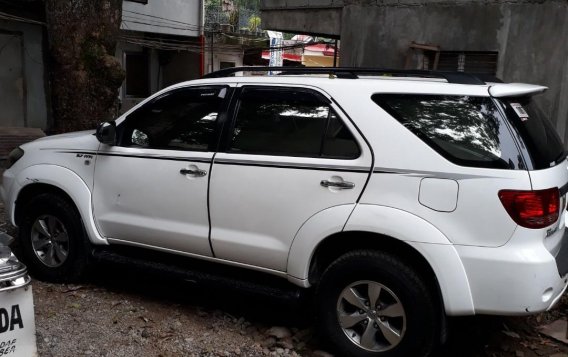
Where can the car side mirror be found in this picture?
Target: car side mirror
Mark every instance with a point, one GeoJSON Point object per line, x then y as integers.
{"type": "Point", "coordinates": [106, 132]}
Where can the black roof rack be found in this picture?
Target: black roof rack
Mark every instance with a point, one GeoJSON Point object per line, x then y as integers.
{"type": "Point", "coordinates": [354, 73]}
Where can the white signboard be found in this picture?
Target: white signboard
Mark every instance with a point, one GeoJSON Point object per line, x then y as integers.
{"type": "Point", "coordinates": [276, 41]}
{"type": "Point", "coordinates": [17, 323]}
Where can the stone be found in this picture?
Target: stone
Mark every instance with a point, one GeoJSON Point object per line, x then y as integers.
{"type": "Point", "coordinates": [320, 353]}
{"type": "Point", "coordinates": [279, 332]}
{"type": "Point", "coordinates": [286, 343]}
{"type": "Point", "coordinates": [269, 342]}
{"type": "Point", "coordinates": [558, 330]}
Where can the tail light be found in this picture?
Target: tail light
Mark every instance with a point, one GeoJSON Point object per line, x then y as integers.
{"type": "Point", "coordinates": [532, 209]}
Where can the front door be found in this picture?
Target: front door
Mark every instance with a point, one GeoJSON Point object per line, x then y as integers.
{"type": "Point", "coordinates": [289, 154]}
{"type": "Point", "coordinates": [151, 188]}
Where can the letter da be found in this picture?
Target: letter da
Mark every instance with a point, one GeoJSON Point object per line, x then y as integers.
{"type": "Point", "coordinates": [16, 318]}
{"type": "Point", "coordinates": [4, 320]}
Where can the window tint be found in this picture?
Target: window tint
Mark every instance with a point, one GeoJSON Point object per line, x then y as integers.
{"type": "Point", "coordinates": [180, 120]}
{"type": "Point", "coordinates": [338, 141]}
{"type": "Point", "coordinates": [537, 135]}
{"type": "Point", "coordinates": [291, 123]}
{"type": "Point", "coordinates": [468, 131]}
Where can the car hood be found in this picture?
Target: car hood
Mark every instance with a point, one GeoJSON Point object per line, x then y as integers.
{"type": "Point", "coordinates": [83, 140]}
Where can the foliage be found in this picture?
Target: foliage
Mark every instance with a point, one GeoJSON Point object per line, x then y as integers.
{"type": "Point", "coordinates": [254, 23]}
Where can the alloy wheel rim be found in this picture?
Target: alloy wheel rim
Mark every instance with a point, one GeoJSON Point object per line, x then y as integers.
{"type": "Point", "coordinates": [371, 316]}
{"type": "Point", "coordinates": [50, 241]}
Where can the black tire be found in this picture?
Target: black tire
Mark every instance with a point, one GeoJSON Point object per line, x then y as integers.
{"type": "Point", "coordinates": [419, 325]}
{"type": "Point", "coordinates": [73, 266]}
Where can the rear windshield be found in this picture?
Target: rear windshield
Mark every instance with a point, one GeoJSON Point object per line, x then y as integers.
{"type": "Point", "coordinates": [540, 143]}
{"type": "Point", "coordinates": [468, 131]}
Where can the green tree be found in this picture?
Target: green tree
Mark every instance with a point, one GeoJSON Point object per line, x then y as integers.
{"type": "Point", "coordinates": [254, 22]}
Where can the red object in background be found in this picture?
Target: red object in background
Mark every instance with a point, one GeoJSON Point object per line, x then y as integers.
{"type": "Point", "coordinates": [327, 50]}
{"type": "Point", "coordinates": [287, 56]}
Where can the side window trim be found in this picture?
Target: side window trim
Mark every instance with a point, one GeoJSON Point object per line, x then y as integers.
{"type": "Point", "coordinates": [233, 108]}
{"type": "Point", "coordinates": [213, 145]}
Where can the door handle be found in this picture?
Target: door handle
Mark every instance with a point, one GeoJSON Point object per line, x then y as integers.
{"type": "Point", "coordinates": [196, 172]}
{"type": "Point", "coordinates": [342, 185]}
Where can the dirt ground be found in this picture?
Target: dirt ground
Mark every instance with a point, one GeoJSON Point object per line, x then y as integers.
{"type": "Point", "coordinates": [120, 312]}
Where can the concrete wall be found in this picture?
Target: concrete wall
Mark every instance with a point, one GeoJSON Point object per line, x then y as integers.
{"type": "Point", "coordinates": [223, 53]}
{"type": "Point", "coordinates": [174, 17]}
{"type": "Point", "coordinates": [530, 37]}
{"type": "Point", "coordinates": [31, 95]}
{"type": "Point", "coordinates": [328, 21]}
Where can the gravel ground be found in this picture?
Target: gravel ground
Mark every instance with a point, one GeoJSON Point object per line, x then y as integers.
{"type": "Point", "coordinates": [118, 312]}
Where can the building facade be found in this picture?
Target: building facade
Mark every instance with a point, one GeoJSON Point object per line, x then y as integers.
{"type": "Point", "coordinates": [517, 40]}
{"type": "Point", "coordinates": [22, 77]}
{"type": "Point", "coordinates": [160, 44]}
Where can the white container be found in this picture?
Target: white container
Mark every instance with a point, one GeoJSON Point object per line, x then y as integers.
{"type": "Point", "coordinates": [17, 322]}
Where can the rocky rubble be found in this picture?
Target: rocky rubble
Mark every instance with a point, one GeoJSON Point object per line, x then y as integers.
{"type": "Point", "coordinates": [89, 320]}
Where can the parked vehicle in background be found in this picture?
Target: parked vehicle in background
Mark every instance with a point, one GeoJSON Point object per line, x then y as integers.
{"type": "Point", "coordinates": [400, 197]}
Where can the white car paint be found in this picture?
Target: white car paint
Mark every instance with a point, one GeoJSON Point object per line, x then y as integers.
{"type": "Point", "coordinates": [270, 213]}
{"type": "Point", "coordinates": [137, 199]}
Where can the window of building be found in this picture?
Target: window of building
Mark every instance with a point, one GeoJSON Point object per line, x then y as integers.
{"type": "Point", "coordinates": [137, 66]}
{"type": "Point", "coordinates": [290, 122]}
{"type": "Point", "coordinates": [469, 61]}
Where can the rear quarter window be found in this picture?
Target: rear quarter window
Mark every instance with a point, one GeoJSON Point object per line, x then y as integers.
{"type": "Point", "coordinates": [539, 140]}
{"type": "Point", "coordinates": [466, 130]}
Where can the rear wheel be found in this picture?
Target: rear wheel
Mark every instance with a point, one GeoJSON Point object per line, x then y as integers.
{"type": "Point", "coordinates": [53, 240]}
{"type": "Point", "coordinates": [371, 303]}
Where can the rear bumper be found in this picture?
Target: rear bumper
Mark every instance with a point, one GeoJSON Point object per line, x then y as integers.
{"type": "Point", "coordinates": [520, 278]}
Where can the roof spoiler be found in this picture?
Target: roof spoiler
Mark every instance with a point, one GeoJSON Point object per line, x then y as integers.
{"type": "Point", "coordinates": [515, 90]}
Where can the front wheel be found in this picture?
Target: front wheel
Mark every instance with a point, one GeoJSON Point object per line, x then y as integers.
{"type": "Point", "coordinates": [53, 240]}
{"type": "Point", "coordinates": [372, 304]}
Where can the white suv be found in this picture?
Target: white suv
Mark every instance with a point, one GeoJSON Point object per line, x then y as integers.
{"type": "Point", "coordinates": [400, 197]}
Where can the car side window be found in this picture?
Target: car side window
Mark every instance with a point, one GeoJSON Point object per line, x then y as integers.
{"type": "Point", "coordinates": [290, 122]}
{"type": "Point", "coordinates": [182, 119]}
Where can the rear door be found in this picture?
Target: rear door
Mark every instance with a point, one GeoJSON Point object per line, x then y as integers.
{"type": "Point", "coordinates": [289, 153]}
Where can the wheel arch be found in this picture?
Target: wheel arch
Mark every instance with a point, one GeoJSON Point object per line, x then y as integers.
{"type": "Point", "coordinates": [334, 247]}
{"type": "Point", "coordinates": [28, 192]}
{"type": "Point", "coordinates": [40, 179]}
{"type": "Point", "coordinates": [375, 227]}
